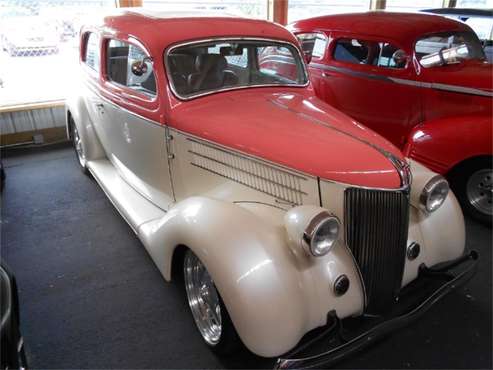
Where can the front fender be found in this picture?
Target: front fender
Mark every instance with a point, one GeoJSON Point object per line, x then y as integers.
{"type": "Point", "coordinates": [273, 294]}
{"type": "Point", "coordinates": [441, 144]}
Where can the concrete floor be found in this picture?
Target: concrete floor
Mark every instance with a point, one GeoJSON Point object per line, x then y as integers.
{"type": "Point", "coordinates": [92, 298]}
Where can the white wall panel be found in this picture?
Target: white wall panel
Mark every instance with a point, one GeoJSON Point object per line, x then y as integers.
{"type": "Point", "coordinates": [31, 120]}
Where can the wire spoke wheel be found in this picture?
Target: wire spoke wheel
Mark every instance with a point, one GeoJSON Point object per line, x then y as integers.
{"type": "Point", "coordinates": [480, 190]}
{"type": "Point", "coordinates": [203, 299]}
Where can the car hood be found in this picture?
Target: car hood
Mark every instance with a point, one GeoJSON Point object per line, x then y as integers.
{"type": "Point", "coordinates": [293, 130]}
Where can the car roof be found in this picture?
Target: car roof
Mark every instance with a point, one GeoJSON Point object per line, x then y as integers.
{"type": "Point", "coordinates": [406, 27]}
{"type": "Point", "coordinates": [159, 29]}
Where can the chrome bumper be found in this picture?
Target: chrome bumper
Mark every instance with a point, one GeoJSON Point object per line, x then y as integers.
{"type": "Point", "coordinates": [384, 324]}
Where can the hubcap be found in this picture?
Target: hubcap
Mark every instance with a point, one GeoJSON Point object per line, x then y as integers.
{"type": "Point", "coordinates": [480, 191]}
{"type": "Point", "coordinates": [78, 147]}
{"type": "Point", "coordinates": [203, 299]}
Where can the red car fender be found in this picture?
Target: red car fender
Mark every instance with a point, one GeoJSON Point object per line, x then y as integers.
{"type": "Point", "coordinates": [443, 143]}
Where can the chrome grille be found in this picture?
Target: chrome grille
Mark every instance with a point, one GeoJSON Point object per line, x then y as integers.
{"type": "Point", "coordinates": [376, 227]}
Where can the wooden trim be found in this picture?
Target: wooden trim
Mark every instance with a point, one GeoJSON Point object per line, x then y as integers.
{"type": "Point", "coordinates": [277, 11]}
{"type": "Point", "coordinates": [128, 3]}
{"type": "Point", "coordinates": [32, 106]}
{"type": "Point", "coordinates": [50, 135]}
{"type": "Point", "coordinates": [281, 12]}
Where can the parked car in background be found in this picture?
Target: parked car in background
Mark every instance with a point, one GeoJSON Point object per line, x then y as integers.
{"type": "Point", "coordinates": [281, 213]}
{"type": "Point", "coordinates": [480, 20]}
{"type": "Point", "coordinates": [420, 80]}
{"type": "Point", "coordinates": [22, 32]}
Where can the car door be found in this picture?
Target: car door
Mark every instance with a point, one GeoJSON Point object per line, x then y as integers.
{"type": "Point", "coordinates": [91, 68]}
{"type": "Point", "coordinates": [131, 128]}
{"type": "Point", "coordinates": [362, 79]}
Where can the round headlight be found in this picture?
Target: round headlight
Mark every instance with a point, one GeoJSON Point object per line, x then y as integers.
{"type": "Point", "coordinates": [434, 194]}
{"type": "Point", "coordinates": [321, 234]}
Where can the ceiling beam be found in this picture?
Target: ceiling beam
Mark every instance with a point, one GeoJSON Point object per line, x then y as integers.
{"type": "Point", "coordinates": [128, 3]}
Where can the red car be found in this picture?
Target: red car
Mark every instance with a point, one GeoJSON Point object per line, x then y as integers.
{"type": "Point", "coordinates": [420, 80]}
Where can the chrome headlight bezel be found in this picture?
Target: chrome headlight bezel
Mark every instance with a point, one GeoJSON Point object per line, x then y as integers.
{"type": "Point", "coordinates": [436, 186]}
{"type": "Point", "coordinates": [313, 237]}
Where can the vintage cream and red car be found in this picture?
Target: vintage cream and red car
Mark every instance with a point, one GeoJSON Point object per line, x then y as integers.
{"type": "Point", "coordinates": [420, 80]}
{"type": "Point", "coordinates": [282, 213]}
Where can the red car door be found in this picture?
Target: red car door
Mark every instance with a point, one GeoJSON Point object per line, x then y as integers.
{"type": "Point", "coordinates": [359, 76]}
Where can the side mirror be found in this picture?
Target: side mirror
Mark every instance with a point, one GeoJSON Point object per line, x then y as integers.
{"type": "Point", "coordinates": [400, 57]}
{"type": "Point", "coordinates": [140, 67]}
{"type": "Point", "coordinates": [307, 56]}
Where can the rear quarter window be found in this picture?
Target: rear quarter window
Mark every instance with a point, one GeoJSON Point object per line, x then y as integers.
{"type": "Point", "coordinates": [92, 54]}
{"type": "Point", "coordinates": [313, 44]}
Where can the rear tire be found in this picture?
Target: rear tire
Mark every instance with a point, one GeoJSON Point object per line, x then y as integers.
{"type": "Point", "coordinates": [472, 184]}
{"type": "Point", "coordinates": [79, 149]}
{"type": "Point", "coordinates": [208, 309]}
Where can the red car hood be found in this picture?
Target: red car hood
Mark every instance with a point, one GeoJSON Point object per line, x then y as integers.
{"type": "Point", "coordinates": [470, 74]}
{"type": "Point", "coordinates": [293, 130]}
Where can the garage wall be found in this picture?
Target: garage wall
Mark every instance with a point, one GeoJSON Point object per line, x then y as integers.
{"type": "Point", "coordinates": [20, 124]}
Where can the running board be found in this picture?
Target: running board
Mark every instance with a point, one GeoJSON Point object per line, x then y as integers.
{"type": "Point", "coordinates": [133, 207]}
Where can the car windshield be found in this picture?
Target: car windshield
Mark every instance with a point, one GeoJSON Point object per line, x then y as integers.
{"type": "Point", "coordinates": [207, 67]}
{"type": "Point", "coordinates": [448, 47]}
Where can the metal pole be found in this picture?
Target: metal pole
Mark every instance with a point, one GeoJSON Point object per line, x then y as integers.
{"type": "Point", "coordinates": [378, 4]}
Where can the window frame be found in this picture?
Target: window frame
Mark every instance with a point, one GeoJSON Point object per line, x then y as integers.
{"type": "Point", "coordinates": [338, 36]}
{"type": "Point", "coordinates": [324, 36]}
{"type": "Point", "coordinates": [124, 89]}
{"type": "Point", "coordinates": [170, 49]}
{"type": "Point", "coordinates": [83, 53]}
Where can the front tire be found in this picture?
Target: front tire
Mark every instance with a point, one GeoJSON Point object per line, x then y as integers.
{"type": "Point", "coordinates": [473, 185]}
{"type": "Point", "coordinates": [208, 309]}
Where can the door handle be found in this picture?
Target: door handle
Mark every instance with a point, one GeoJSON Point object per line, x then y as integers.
{"type": "Point", "coordinates": [100, 107]}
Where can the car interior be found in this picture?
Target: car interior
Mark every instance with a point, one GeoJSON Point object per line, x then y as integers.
{"type": "Point", "coordinates": [206, 68]}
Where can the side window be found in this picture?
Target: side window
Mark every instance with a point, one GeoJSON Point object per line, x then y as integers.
{"type": "Point", "coordinates": [380, 54]}
{"type": "Point", "coordinates": [313, 44]}
{"type": "Point", "coordinates": [129, 66]}
{"type": "Point", "coordinates": [390, 56]}
{"type": "Point", "coordinates": [351, 51]}
{"type": "Point", "coordinates": [92, 57]}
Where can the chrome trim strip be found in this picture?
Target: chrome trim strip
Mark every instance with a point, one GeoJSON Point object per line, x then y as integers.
{"type": "Point", "coordinates": [402, 81]}
{"type": "Point", "coordinates": [461, 89]}
{"type": "Point", "coordinates": [259, 176]}
{"type": "Point", "coordinates": [242, 183]}
{"type": "Point", "coordinates": [250, 173]}
{"type": "Point", "coordinates": [204, 41]}
{"type": "Point", "coordinates": [402, 168]}
{"type": "Point", "coordinates": [247, 156]}
{"type": "Point", "coordinates": [192, 137]}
